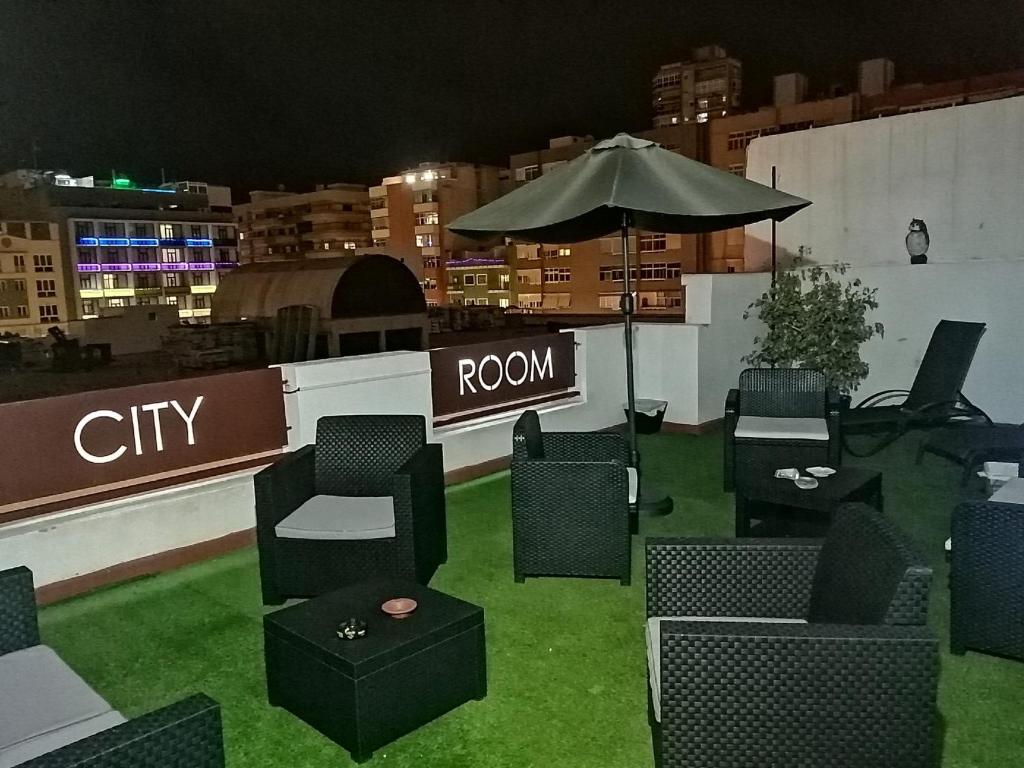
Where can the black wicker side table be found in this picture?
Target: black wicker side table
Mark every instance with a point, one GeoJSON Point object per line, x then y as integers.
{"type": "Point", "coordinates": [782, 509]}
{"type": "Point", "coordinates": [365, 693]}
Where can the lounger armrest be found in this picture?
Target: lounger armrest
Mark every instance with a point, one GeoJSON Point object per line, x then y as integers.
{"type": "Point", "coordinates": [730, 577]}
{"type": "Point", "coordinates": [187, 734]}
{"type": "Point", "coordinates": [19, 623]}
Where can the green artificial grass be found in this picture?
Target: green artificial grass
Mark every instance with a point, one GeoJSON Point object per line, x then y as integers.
{"type": "Point", "coordinates": [566, 664]}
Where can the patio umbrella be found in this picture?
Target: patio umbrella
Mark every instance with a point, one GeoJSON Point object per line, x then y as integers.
{"type": "Point", "coordinates": [621, 183]}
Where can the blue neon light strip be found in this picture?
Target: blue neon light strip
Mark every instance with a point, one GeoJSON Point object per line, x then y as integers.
{"type": "Point", "coordinates": [199, 242]}
{"type": "Point", "coordinates": [120, 241]}
{"type": "Point", "coordinates": [144, 241]}
{"type": "Point", "coordinates": [161, 191]}
{"type": "Point", "coordinates": [88, 241]}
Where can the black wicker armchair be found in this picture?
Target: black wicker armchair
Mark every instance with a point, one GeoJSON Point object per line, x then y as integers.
{"type": "Point", "coordinates": [50, 718]}
{"type": "Point", "coordinates": [987, 578]}
{"type": "Point", "coordinates": [780, 417]}
{"type": "Point", "coordinates": [571, 511]}
{"type": "Point", "coordinates": [796, 653]}
{"type": "Point", "coordinates": [367, 499]}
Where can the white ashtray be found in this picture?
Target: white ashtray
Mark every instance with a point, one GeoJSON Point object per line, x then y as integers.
{"type": "Point", "coordinates": [821, 471]}
{"type": "Point", "coordinates": [788, 474]}
{"type": "Point", "coordinates": [806, 483]}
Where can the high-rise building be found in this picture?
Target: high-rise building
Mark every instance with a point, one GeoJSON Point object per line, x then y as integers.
{"type": "Point", "coordinates": [32, 287]}
{"type": "Point", "coordinates": [125, 245]}
{"type": "Point", "coordinates": [700, 90]}
{"type": "Point", "coordinates": [411, 210]}
{"type": "Point", "coordinates": [330, 221]}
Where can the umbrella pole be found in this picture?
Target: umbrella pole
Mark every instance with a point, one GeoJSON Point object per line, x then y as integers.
{"type": "Point", "coordinates": [626, 305]}
{"type": "Point", "coordinates": [651, 500]}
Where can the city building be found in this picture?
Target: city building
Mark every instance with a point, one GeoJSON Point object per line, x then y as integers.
{"type": "Point", "coordinates": [700, 90]}
{"type": "Point", "coordinates": [875, 97]}
{"type": "Point", "coordinates": [411, 210]}
{"type": "Point", "coordinates": [332, 220]}
{"type": "Point", "coordinates": [124, 245]}
{"type": "Point", "coordinates": [33, 295]}
{"type": "Point", "coordinates": [481, 281]}
{"type": "Point", "coordinates": [587, 277]}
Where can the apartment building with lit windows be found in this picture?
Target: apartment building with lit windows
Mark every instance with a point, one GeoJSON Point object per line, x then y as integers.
{"type": "Point", "coordinates": [411, 211]}
{"type": "Point", "coordinates": [703, 89]}
{"type": "Point", "coordinates": [587, 277]}
{"type": "Point", "coordinates": [332, 220]}
{"type": "Point", "coordinates": [124, 245]}
{"type": "Point", "coordinates": [33, 296]}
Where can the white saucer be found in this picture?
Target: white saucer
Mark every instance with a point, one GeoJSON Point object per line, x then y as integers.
{"type": "Point", "coordinates": [821, 471]}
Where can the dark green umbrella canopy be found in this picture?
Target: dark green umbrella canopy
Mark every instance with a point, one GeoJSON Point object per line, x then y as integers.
{"type": "Point", "coordinates": [658, 189]}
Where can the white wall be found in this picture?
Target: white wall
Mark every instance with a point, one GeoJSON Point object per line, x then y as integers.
{"type": "Point", "coordinates": [64, 545]}
{"type": "Point", "coordinates": [961, 169]}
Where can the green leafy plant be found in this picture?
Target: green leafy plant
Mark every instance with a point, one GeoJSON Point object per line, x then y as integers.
{"type": "Point", "coordinates": [816, 319]}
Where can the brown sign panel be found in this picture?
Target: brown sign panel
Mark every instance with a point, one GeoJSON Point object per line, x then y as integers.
{"type": "Point", "coordinates": [477, 377]}
{"type": "Point", "coordinates": [80, 444]}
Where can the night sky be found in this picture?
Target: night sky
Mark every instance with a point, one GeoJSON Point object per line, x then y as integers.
{"type": "Point", "coordinates": [256, 94]}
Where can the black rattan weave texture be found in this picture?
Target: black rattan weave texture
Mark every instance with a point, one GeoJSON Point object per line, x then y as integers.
{"type": "Point", "coordinates": [19, 627]}
{"type": "Point", "coordinates": [570, 510]}
{"type": "Point", "coordinates": [987, 579]}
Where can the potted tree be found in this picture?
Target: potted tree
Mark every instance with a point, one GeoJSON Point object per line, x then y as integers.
{"type": "Point", "coordinates": [816, 319]}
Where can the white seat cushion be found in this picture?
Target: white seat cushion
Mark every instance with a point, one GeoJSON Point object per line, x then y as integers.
{"type": "Point", "coordinates": [770, 428]}
{"type": "Point", "coordinates": [1011, 493]}
{"type": "Point", "coordinates": [634, 484]}
{"type": "Point", "coordinates": [654, 646]}
{"type": "Point", "coordinates": [340, 518]}
{"type": "Point", "coordinates": [45, 705]}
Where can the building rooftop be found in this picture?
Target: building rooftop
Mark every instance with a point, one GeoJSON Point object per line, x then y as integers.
{"type": "Point", "coordinates": [567, 672]}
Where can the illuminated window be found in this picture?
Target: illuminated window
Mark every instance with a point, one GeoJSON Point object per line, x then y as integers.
{"type": "Point", "coordinates": [172, 300]}
{"type": "Point", "coordinates": [652, 242]}
{"type": "Point", "coordinates": [113, 281]}
{"type": "Point", "coordinates": [115, 303]}
{"type": "Point", "coordinates": [702, 117]}
{"type": "Point", "coordinates": [557, 274]}
{"type": "Point", "coordinates": [426, 218]}
{"type": "Point", "coordinates": [425, 241]}
{"type": "Point", "coordinates": [349, 245]}
{"type": "Point", "coordinates": [171, 256]}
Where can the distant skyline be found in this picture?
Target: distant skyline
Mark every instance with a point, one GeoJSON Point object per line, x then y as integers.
{"type": "Point", "coordinates": [257, 93]}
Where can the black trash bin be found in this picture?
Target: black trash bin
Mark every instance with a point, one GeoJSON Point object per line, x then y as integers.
{"type": "Point", "coordinates": [649, 415]}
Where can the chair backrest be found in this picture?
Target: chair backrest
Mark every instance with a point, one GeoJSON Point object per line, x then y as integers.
{"type": "Point", "coordinates": [945, 364]}
{"type": "Point", "coordinates": [357, 455]}
{"type": "Point", "coordinates": [782, 392]}
{"type": "Point", "coordinates": [868, 573]}
{"type": "Point", "coordinates": [527, 438]}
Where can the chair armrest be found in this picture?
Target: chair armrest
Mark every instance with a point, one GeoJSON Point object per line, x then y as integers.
{"type": "Point", "coordinates": [586, 446]}
{"type": "Point", "coordinates": [282, 487]}
{"type": "Point", "coordinates": [766, 578]}
{"type": "Point", "coordinates": [798, 689]}
{"type": "Point", "coordinates": [187, 734]}
{"type": "Point", "coordinates": [418, 486]}
{"type": "Point", "coordinates": [732, 404]}
{"type": "Point", "coordinates": [19, 623]}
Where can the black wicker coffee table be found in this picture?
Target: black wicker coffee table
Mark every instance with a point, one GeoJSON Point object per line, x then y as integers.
{"type": "Point", "coordinates": [365, 693]}
{"type": "Point", "coordinates": [783, 509]}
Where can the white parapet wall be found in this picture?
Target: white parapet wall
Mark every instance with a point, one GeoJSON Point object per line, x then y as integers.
{"type": "Point", "coordinates": [66, 545]}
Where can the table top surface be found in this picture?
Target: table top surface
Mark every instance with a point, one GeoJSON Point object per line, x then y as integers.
{"type": "Point", "coordinates": [313, 624]}
{"type": "Point", "coordinates": [846, 482]}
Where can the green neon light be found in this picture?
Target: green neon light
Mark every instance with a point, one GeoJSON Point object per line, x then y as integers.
{"type": "Point", "coordinates": [121, 181]}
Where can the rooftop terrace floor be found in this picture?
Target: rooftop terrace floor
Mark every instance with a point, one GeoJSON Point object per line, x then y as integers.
{"type": "Point", "coordinates": [566, 662]}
